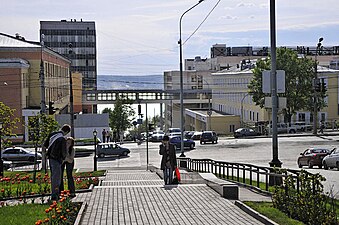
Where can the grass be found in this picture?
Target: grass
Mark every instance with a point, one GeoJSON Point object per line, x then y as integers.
{"type": "Point", "coordinates": [266, 209]}
{"type": "Point", "coordinates": [22, 214]}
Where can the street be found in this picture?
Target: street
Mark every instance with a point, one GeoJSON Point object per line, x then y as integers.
{"type": "Point", "coordinates": [257, 151]}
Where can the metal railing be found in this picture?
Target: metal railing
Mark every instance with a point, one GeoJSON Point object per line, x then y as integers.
{"type": "Point", "coordinates": [244, 173]}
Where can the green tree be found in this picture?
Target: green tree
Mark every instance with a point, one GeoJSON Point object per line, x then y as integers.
{"type": "Point", "coordinates": [121, 116]}
{"type": "Point", "coordinates": [299, 79]}
{"type": "Point", "coordinates": [8, 124]}
{"type": "Point", "coordinates": [40, 126]}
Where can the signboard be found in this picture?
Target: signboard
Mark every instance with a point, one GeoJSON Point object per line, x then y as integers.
{"type": "Point", "coordinates": [266, 81]}
{"type": "Point", "coordinates": [282, 101]}
{"type": "Point", "coordinates": [139, 121]}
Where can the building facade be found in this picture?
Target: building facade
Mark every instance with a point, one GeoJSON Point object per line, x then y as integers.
{"type": "Point", "coordinates": [75, 40]}
{"type": "Point", "coordinates": [20, 81]}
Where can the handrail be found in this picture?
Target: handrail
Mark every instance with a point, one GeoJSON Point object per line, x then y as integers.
{"type": "Point", "coordinates": [243, 172]}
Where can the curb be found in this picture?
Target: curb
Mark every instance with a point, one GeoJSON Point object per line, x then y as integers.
{"type": "Point", "coordinates": [81, 213]}
{"type": "Point", "coordinates": [254, 213]}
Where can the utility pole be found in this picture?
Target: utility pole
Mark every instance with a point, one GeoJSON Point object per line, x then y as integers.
{"type": "Point", "coordinates": [71, 101]}
{"type": "Point", "coordinates": [42, 78]}
{"type": "Point", "coordinates": [315, 93]}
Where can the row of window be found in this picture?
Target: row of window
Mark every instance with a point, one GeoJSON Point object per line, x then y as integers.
{"type": "Point", "coordinates": [67, 32]}
{"type": "Point", "coordinates": [70, 39]}
{"type": "Point", "coordinates": [233, 82]}
{"type": "Point", "coordinates": [74, 44]}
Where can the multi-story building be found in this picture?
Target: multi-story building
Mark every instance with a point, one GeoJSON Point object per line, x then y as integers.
{"type": "Point", "coordinates": [77, 41]}
{"type": "Point", "coordinates": [20, 84]}
{"type": "Point", "coordinates": [229, 72]}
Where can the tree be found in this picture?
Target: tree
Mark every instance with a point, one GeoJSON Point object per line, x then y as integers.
{"type": "Point", "coordinates": [40, 126]}
{"type": "Point", "coordinates": [121, 116]}
{"type": "Point", "coordinates": [8, 123]}
{"type": "Point", "coordinates": [299, 79]}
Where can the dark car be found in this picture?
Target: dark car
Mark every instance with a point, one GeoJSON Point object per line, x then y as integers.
{"type": "Point", "coordinates": [110, 148]}
{"type": "Point", "coordinates": [19, 154]}
{"type": "Point", "coordinates": [312, 157]}
{"type": "Point", "coordinates": [208, 136]}
{"type": "Point", "coordinates": [244, 132]}
{"type": "Point", "coordinates": [176, 140]}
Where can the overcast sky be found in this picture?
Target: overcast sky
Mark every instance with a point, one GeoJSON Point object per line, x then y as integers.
{"type": "Point", "coordinates": [139, 37]}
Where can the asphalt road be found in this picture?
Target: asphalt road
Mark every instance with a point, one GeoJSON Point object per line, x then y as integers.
{"type": "Point", "coordinates": [257, 151]}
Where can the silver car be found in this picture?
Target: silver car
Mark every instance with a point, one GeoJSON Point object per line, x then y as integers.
{"type": "Point", "coordinates": [111, 148]}
{"type": "Point", "coordinates": [331, 160]}
{"type": "Point", "coordinates": [19, 154]}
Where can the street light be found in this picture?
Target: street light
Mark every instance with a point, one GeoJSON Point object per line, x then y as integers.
{"type": "Point", "coordinates": [242, 109]}
{"type": "Point", "coordinates": [181, 83]}
{"type": "Point", "coordinates": [1, 162]}
{"type": "Point", "coordinates": [315, 98]}
{"type": "Point", "coordinates": [95, 133]}
{"type": "Point", "coordinates": [209, 112]}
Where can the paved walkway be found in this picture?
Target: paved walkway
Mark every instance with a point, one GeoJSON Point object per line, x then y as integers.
{"type": "Point", "coordinates": [139, 197]}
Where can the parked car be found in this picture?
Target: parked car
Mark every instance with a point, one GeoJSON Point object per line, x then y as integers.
{"type": "Point", "coordinates": [331, 160]}
{"type": "Point", "coordinates": [157, 136]}
{"type": "Point", "coordinates": [176, 140]}
{"type": "Point", "coordinates": [283, 128]}
{"type": "Point", "coordinates": [312, 157]}
{"type": "Point", "coordinates": [111, 148]}
{"type": "Point", "coordinates": [244, 132]}
{"type": "Point", "coordinates": [19, 154]}
{"type": "Point", "coordinates": [189, 134]}
{"type": "Point", "coordinates": [196, 135]}
{"type": "Point", "coordinates": [208, 136]}
{"type": "Point", "coordinates": [302, 126]}
{"type": "Point", "coordinates": [173, 130]}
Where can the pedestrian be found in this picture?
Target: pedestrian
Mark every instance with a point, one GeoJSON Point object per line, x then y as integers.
{"type": "Point", "coordinates": [56, 153]}
{"type": "Point", "coordinates": [69, 165]}
{"type": "Point", "coordinates": [103, 135]}
{"type": "Point", "coordinates": [168, 160]}
{"type": "Point", "coordinates": [108, 136]}
{"type": "Point", "coordinates": [335, 124]}
{"type": "Point", "coordinates": [322, 126]}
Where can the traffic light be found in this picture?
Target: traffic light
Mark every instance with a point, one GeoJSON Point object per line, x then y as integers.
{"type": "Point", "coordinates": [51, 109]}
{"type": "Point", "coordinates": [323, 85]}
{"type": "Point", "coordinates": [317, 85]}
{"type": "Point", "coordinates": [150, 126]}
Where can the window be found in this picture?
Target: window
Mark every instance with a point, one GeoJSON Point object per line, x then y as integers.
{"type": "Point", "coordinates": [232, 128]}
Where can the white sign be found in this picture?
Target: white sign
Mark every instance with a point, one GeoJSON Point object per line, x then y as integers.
{"type": "Point", "coordinates": [282, 102]}
{"type": "Point", "coordinates": [266, 81]}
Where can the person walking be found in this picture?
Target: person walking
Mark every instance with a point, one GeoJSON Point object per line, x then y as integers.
{"type": "Point", "coordinates": [69, 165]}
{"type": "Point", "coordinates": [56, 145]}
{"type": "Point", "coordinates": [103, 135]}
{"type": "Point", "coordinates": [168, 160]}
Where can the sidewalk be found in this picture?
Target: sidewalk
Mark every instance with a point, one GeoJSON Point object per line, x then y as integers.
{"type": "Point", "coordinates": [136, 196]}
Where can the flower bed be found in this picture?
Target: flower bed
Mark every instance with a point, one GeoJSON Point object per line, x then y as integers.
{"type": "Point", "coordinates": [22, 185]}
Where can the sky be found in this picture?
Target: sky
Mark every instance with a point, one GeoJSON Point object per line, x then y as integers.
{"type": "Point", "coordinates": [141, 37]}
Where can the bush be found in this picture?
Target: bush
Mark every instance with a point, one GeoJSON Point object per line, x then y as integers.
{"type": "Point", "coordinates": [303, 199]}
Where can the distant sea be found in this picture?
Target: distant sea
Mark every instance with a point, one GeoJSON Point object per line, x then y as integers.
{"type": "Point", "coordinates": [112, 82]}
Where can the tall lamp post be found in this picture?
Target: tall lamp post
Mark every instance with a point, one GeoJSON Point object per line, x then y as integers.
{"type": "Point", "coordinates": [315, 82]}
{"type": "Point", "coordinates": [71, 100]}
{"type": "Point", "coordinates": [95, 133]}
{"type": "Point", "coordinates": [181, 83]}
{"type": "Point", "coordinates": [209, 112]}
{"type": "Point", "coordinates": [242, 109]}
{"type": "Point", "coordinates": [1, 162]}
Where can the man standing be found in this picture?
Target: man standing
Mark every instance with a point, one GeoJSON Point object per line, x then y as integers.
{"type": "Point", "coordinates": [56, 145]}
{"type": "Point", "coordinates": [103, 135]}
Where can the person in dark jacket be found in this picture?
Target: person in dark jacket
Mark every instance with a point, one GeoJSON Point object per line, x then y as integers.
{"type": "Point", "coordinates": [56, 145]}
{"type": "Point", "coordinates": [168, 160]}
{"type": "Point", "coordinates": [68, 163]}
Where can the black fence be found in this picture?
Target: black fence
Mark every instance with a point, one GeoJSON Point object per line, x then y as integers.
{"type": "Point", "coordinates": [255, 176]}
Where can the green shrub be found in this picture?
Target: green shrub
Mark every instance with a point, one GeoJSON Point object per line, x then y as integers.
{"type": "Point", "coordinates": [307, 203]}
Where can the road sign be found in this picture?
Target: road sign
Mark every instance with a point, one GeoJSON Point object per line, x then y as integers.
{"type": "Point", "coordinates": [266, 81]}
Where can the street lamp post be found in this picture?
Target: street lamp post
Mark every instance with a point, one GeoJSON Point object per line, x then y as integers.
{"type": "Point", "coordinates": [1, 162]}
{"type": "Point", "coordinates": [181, 83]}
{"type": "Point", "coordinates": [95, 133]}
{"type": "Point", "coordinates": [315, 97]}
{"type": "Point", "coordinates": [242, 109]}
{"type": "Point", "coordinates": [71, 99]}
{"type": "Point", "coordinates": [209, 112]}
